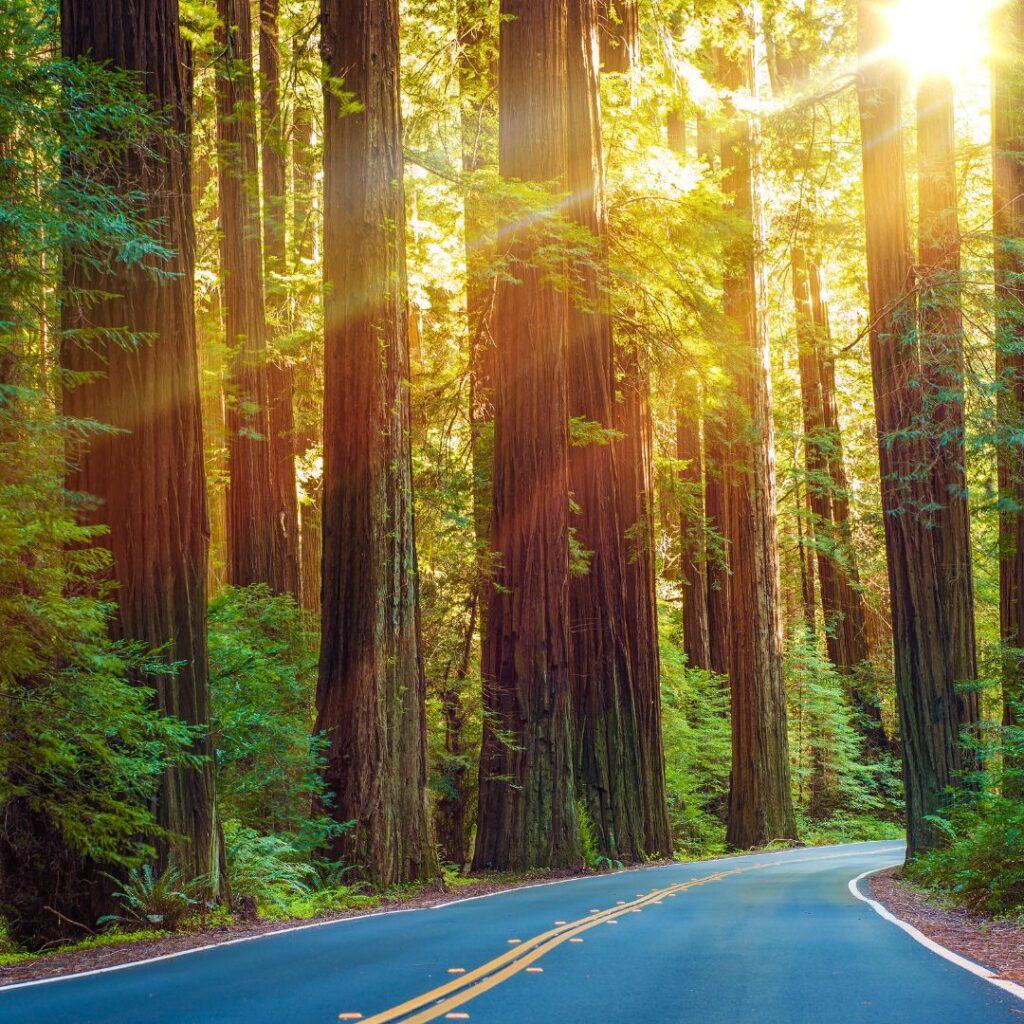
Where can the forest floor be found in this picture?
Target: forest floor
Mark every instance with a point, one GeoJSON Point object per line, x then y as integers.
{"type": "Point", "coordinates": [993, 943]}
{"type": "Point", "coordinates": [111, 950]}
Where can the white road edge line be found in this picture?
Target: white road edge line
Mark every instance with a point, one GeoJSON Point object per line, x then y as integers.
{"type": "Point", "coordinates": [947, 954]}
{"type": "Point", "coordinates": [380, 913]}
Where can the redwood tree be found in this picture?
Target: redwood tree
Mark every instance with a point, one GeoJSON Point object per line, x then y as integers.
{"type": "Point", "coordinates": [147, 474]}
{"type": "Point", "coordinates": [619, 23]}
{"type": "Point", "coordinates": [370, 696]}
{"type": "Point", "coordinates": [608, 756]}
{"type": "Point", "coordinates": [1008, 198]}
{"type": "Point", "coordinates": [635, 455]}
{"type": "Point", "coordinates": [931, 711]}
{"type": "Point", "coordinates": [942, 363]}
{"type": "Point", "coordinates": [842, 602]}
{"type": "Point", "coordinates": [693, 575]}
{"type": "Point", "coordinates": [280, 371]}
{"type": "Point", "coordinates": [527, 809]}
{"type": "Point", "coordinates": [760, 803]}
{"type": "Point", "coordinates": [255, 538]}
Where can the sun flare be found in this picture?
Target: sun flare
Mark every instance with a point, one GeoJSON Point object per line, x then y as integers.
{"type": "Point", "coordinates": [948, 37]}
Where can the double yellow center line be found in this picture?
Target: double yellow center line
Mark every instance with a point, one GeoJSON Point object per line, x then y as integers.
{"type": "Point", "coordinates": [444, 999]}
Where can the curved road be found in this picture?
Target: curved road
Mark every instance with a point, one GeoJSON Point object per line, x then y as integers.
{"type": "Point", "coordinates": [771, 938]}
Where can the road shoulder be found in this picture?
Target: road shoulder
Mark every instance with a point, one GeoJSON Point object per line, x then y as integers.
{"type": "Point", "coordinates": [988, 948]}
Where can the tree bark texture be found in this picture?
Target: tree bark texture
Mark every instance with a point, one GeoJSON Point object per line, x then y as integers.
{"type": "Point", "coordinates": [930, 709]}
{"type": "Point", "coordinates": [307, 414]}
{"type": "Point", "coordinates": [619, 25]}
{"type": "Point", "coordinates": [527, 816]}
{"type": "Point", "coordinates": [635, 454]}
{"type": "Point", "coordinates": [693, 576]}
{"type": "Point", "coordinates": [370, 697]}
{"type": "Point", "coordinates": [760, 803]}
{"type": "Point", "coordinates": [147, 477]}
{"type": "Point", "coordinates": [1008, 198]}
{"type": "Point", "coordinates": [255, 539]}
{"type": "Point", "coordinates": [605, 706]}
{"type": "Point", "coordinates": [280, 370]}
{"type": "Point", "coordinates": [479, 122]}
{"type": "Point", "coordinates": [942, 359]}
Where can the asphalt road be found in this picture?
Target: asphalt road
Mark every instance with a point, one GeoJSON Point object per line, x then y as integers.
{"type": "Point", "coordinates": [771, 939]}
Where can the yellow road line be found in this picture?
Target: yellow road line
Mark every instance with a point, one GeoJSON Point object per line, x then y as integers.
{"type": "Point", "coordinates": [444, 998]}
{"type": "Point", "coordinates": [523, 955]}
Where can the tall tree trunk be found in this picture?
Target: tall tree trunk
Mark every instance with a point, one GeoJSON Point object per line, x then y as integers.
{"type": "Point", "coordinates": [255, 548]}
{"type": "Point", "coordinates": [760, 802]}
{"type": "Point", "coordinates": [942, 359]}
{"type": "Point", "coordinates": [147, 476]}
{"type": "Point", "coordinates": [478, 113]}
{"type": "Point", "coordinates": [280, 371]}
{"type": "Point", "coordinates": [715, 493]}
{"type": "Point", "coordinates": [841, 599]}
{"type": "Point", "coordinates": [930, 709]}
{"type": "Point", "coordinates": [635, 462]}
{"type": "Point", "coordinates": [211, 358]}
{"type": "Point", "coordinates": [634, 456]}
{"type": "Point", "coordinates": [808, 596]}
{"type": "Point", "coordinates": [370, 697]}
{"type": "Point", "coordinates": [692, 548]}
{"type": "Point", "coordinates": [527, 815]}
{"type": "Point", "coordinates": [849, 617]}
{"type": "Point", "coordinates": [1008, 201]}
{"type": "Point", "coordinates": [693, 575]}
{"type": "Point", "coordinates": [716, 510]}
{"type": "Point", "coordinates": [619, 24]}
{"type": "Point", "coordinates": [307, 412]}
{"type": "Point", "coordinates": [608, 758]}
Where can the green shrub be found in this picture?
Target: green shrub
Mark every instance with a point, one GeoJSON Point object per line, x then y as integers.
{"type": "Point", "coordinates": [164, 900]}
{"type": "Point", "coordinates": [833, 779]}
{"type": "Point", "coordinates": [280, 877]}
{"type": "Point", "coordinates": [263, 665]}
{"type": "Point", "coordinates": [698, 747]}
{"type": "Point", "coordinates": [982, 866]}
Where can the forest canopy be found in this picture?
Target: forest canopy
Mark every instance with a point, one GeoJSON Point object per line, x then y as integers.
{"type": "Point", "coordinates": [448, 436]}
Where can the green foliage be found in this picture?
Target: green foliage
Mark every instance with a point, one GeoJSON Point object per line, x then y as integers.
{"type": "Point", "coordinates": [164, 900]}
{"type": "Point", "coordinates": [698, 746]}
{"type": "Point", "coordinates": [263, 681]}
{"type": "Point", "coordinates": [833, 779]}
{"type": "Point", "coordinates": [262, 685]}
{"type": "Point", "coordinates": [9, 956]}
{"type": "Point", "coordinates": [83, 747]}
{"type": "Point", "coordinates": [981, 864]}
{"type": "Point", "coordinates": [276, 873]}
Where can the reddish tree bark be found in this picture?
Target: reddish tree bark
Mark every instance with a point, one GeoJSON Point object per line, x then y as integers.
{"type": "Point", "coordinates": [619, 24]}
{"type": "Point", "coordinates": [1008, 201]}
{"type": "Point", "coordinates": [478, 112]}
{"type": "Point", "coordinates": [608, 757]}
{"type": "Point", "coordinates": [931, 711]}
{"type": "Point", "coordinates": [693, 576]}
{"type": "Point", "coordinates": [827, 490]}
{"type": "Point", "coordinates": [306, 404]}
{"type": "Point", "coordinates": [147, 476]}
{"type": "Point", "coordinates": [280, 371]}
{"type": "Point", "coordinates": [635, 455]}
{"type": "Point", "coordinates": [527, 814]}
{"type": "Point", "coordinates": [942, 359]}
{"type": "Point", "coordinates": [370, 697]}
{"type": "Point", "coordinates": [693, 569]}
{"type": "Point", "coordinates": [255, 540]}
{"type": "Point", "coordinates": [760, 802]}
